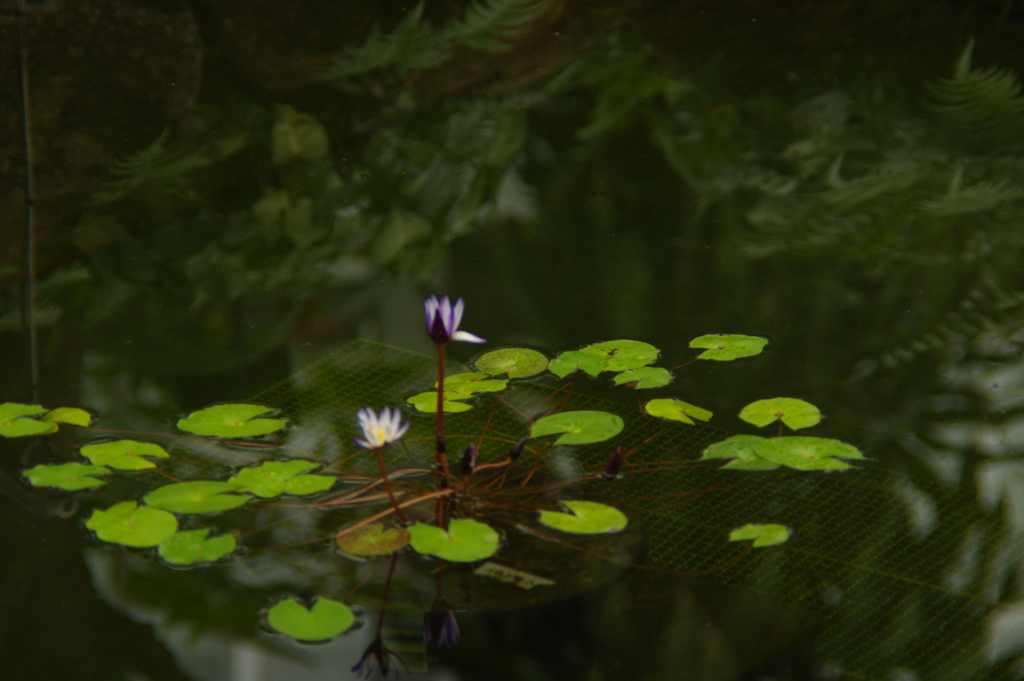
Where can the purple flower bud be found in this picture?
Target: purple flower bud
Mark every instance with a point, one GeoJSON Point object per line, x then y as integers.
{"type": "Point", "coordinates": [469, 460]}
{"type": "Point", "coordinates": [611, 471]}
{"type": "Point", "coordinates": [443, 321]}
{"type": "Point", "coordinates": [517, 449]}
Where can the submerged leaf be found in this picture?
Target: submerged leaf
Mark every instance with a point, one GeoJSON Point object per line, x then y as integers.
{"type": "Point", "coordinates": [129, 524]}
{"type": "Point", "coordinates": [644, 377]}
{"type": "Point", "coordinates": [579, 427]}
{"type": "Point", "coordinates": [427, 402]}
{"type": "Point", "coordinates": [14, 421]}
{"type": "Point", "coordinates": [725, 347]}
{"type": "Point", "coordinates": [466, 540]}
{"type": "Point", "coordinates": [808, 453]}
{"type": "Point", "coordinates": [586, 517]}
{"type": "Point", "coordinates": [374, 539]}
{"type": "Point", "coordinates": [502, 573]}
{"type": "Point", "coordinates": [516, 362]}
{"type": "Point", "coordinates": [322, 622]}
{"type": "Point", "coordinates": [192, 546]}
{"type": "Point", "coordinates": [794, 413]}
{"type": "Point", "coordinates": [70, 476]}
{"type": "Point", "coordinates": [197, 496]}
{"type": "Point", "coordinates": [272, 478]}
{"type": "Point", "coordinates": [676, 410]}
{"type": "Point", "coordinates": [763, 535]}
{"type": "Point", "coordinates": [231, 420]}
{"type": "Point", "coordinates": [125, 455]}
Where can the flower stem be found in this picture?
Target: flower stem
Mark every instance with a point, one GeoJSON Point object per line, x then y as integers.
{"type": "Point", "coordinates": [442, 460]}
{"type": "Point", "coordinates": [387, 485]}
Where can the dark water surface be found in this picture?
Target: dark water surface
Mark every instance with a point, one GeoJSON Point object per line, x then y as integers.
{"type": "Point", "coordinates": [220, 195]}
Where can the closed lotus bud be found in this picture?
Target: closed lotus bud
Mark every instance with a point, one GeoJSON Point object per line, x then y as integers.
{"type": "Point", "coordinates": [611, 471]}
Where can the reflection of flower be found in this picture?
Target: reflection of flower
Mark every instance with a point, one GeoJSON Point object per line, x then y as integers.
{"type": "Point", "coordinates": [380, 430]}
{"type": "Point", "coordinates": [443, 321]}
{"type": "Point", "coordinates": [378, 656]}
{"type": "Point", "coordinates": [440, 628]}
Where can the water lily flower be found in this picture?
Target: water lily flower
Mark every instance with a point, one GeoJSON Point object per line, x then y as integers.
{"type": "Point", "coordinates": [443, 321]}
{"type": "Point", "coordinates": [378, 656]}
{"type": "Point", "coordinates": [382, 429]}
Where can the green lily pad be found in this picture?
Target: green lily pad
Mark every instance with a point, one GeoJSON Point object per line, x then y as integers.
{"type": "Point", "coordinates": [192, 546]}
{"type": "Point", "coordinates": [794, 413]}
{"type": "Point", "coordinates": [741, 449]}
{"type": "Point", "coordinates": [469, 383]}
{"type": "Point", "coordinates": [72, 415]}
{"type": "Point", "coordinates": [763, 535]}
{"type": "Point", "coordinates": [125, 455]}
{"type": "Point", "coordinates": [568, 362]}
{"type": "Point", "coordinates": [644, 377]}
{"type": "Point", "coordinates": [273, 478]}
{"type": "Point", "coordinates": [808, 453]}
{"type": "Point", "coordinates": [427, 402]}
{"type": "Point", "coordinates": [198, 496]}
{"type": "Point", "coordinates": [620, 355]}
{"type": "Point", "coordinates": [586, 517]}
{"type": "Point", "coordinates": [725, 347]}
{"type": "Point", "coordinates": [231, 420]}
{"type": "Point", "coordinates": [70, 476]}
{"type": "Point", "coordinates": [579, 427]}
{"type": "Point", "coordinates": [677, 410]}
{"type": "Point", "coordinates": [374, 539]}
{"type": "Point", "coordinates": [516, 362]}
{"type": "Point", "coordinates": [466, 540]}
{"type": "Point", "coordinates": [129, 524]}
{"type": "Point", "coordinates": [322, 622]}
{"type": "Point", "coordinates": [14, 421]}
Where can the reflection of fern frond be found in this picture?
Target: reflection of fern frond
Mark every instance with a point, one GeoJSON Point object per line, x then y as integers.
{"type": "Point", "coordinates": [974, 199]}
{"type": "Point", "coordinates": [894, 174]}
{"type": "Point", "coordinates": [158, 163]}
{"type": "Point", "coordinates": [491, 24]}
{"type": "Point", "coordinates": [982, 102]}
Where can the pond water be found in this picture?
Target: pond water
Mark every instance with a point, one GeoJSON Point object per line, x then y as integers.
{"type": "Point", "coordinates": [209, 202]}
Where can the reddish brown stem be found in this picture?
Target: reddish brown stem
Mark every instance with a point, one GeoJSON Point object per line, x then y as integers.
{"type": "Point", "coordinates": [387, 485]}
{"type": "Point", "coordinates": [442, 459]}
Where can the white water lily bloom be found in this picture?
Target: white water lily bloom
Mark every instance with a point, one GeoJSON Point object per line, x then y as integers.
{"type": "Point", "coordinates": [443, 321]}
{"type": "Point", "coordinates": [382, 429]}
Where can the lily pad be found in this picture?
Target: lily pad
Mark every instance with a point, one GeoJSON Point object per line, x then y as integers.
{"type": "Point", "coordinates": [469, 383]}
{"type": "Point", "coordinates": [586, 517]}
{"type": "Point", "coordinates": [374, 539]}
{"type": "Point", "coordinates": [644, 377]}
{"type": "Point", "coordinates": [72, 415]}
{"type": "Point", "coordinates": [568, 362]}
{"type": "Point", "coordinates": [198, 496]}
{"type": "Point", "coordinates": [427, 402]}
{"type": "Point", "coordinates": [129, 524]}
{"type": "Point", "coordinates": [725, 347]}
{"type": "Point", "coordinates": [273, 478]}
{"type": "Point", "coordinates": [763, 535]}
{"type": "Point", "coordinates": [794, 413]}
{"type": "Point", "coordinates": [620, 355]}
{"type": "Point", "coordinates": [231, 420]}
{"type": "Point", "coordinates": [14, 421]}
{"type": "Point", "coordinates": [741, 449]}
{"type": "Point", "coordinates": [322, 622]}
{"type": "Point", "coordinates": [516, 362]}
{"type": "Point", "coordinates": [125, 455]}
{"type": "Point", "coordinates": [808, 453]}
{"type": "Point", "coordinates": [677, 410]}
{"type": "Point", "coordinates": [579, 427]}
{"type": "Point", "coordinates": [70, 476]}
{"type": "Point", "coordinates": [466, 540]}
{"type": "Point", "coordinates": [192, 546]}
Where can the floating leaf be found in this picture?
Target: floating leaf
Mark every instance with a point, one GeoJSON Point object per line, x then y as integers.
{"type": "Point", "coordinates": [70, 476]}
{"type": "Point", "coordinates": [325, 620]}
{"type": "Point", "coordinates": [374, 539]}
{"type": "Point", "coordinates": [794, 413]}
{"type": "Point", "coordinates": [502, 573]}
{"type": "Point", "coordinates": [516, 362]}
{"type": "Point", "coordinates": [231, 420]}
{"type": "Point", "coordinates": [13, 421]}
{"type": "Point", "coordinates": [466, 540]}
{"type": "Point", "coordinates": [677, 410]}
{"type": "Point", "coordinates": [427, 402]}
{"type": "Point", "coordinates": [763, 535]}
{"type": "Point", "coordinates": [579, 427]}
{"type": "Point", "coordinates": [620, 355]}
{"type": "Point", "coordinates": [645, 377]}
{"type": "Point", "coordinates": [469, 383]}
{"type": "Point", "coordinates": [587, 517]}
{"type": "Point", "coordinates": [132, 525]}
{"type": "Point", "coordinates": [198, 496]}
{"type": "Point", "coordinates": [568, 362]}
{"type": "Point", "coordinates": [740, 448]}
{"type": "Point", "coordinates": [808, 453]}
{"type": "Point", "coordinates": [725, 347]}
{"type": "Point", "coordinates": [272, 478]}
{"type": "Point", "coordinates": [125, 455]}
{"type": "Point", "coordinates": [72, 415]}
{"type": "Point", "coordinates": [192, 546]}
